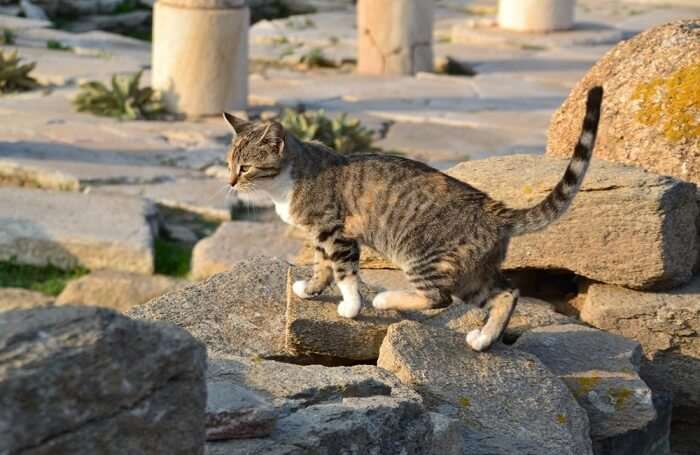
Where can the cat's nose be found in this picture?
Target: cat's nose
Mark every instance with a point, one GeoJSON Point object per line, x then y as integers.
{"type": "Point", "coordinates": [233, 181]}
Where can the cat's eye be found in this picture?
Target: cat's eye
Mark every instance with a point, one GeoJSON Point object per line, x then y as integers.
{"type": "Point", "coordinates": [243, 169]}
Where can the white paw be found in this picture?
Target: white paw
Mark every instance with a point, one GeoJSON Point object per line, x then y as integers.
{"type": "Point", "coordinates": [477, 341]}
{"type": "Point", "coordinates": [299, 288]}
{"type": "Point", "coordinates": [381, 301]}
{"type": "Point", "coordinates": [349, 309]}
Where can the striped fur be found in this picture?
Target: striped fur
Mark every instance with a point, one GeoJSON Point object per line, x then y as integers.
{"type": "Point", "coordinates": [447, 236]}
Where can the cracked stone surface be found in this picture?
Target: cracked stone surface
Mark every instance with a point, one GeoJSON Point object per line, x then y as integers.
{"type": "Point", "coordinates": [84, 380]}
{"type": "Point", "coordinates": [361, 409]}
{"type": "Point", "coordinates": [73, 229]}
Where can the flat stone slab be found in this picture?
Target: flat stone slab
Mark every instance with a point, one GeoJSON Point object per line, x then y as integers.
{"type": "Point", "coordinates": [240, 312]}
{"type": "Point", "coordinates": [22, 299]}
{"type": "Point", "coordinates": [507, 401]}
{"type": "Point", "coordinates": [105, 384]}
{"type": "Point", "coordinates": [601, 370]}
{"type": "Point", "coordinates": [70, 229]}
{"type": "Point", "coordinates": [204, 196]}
{"type": "Point", "coordinates": [653, 249]}
{"type": "Point", "coordinates": [235, 412]}
{"type": "Point", "coordinates": [666, 324]}
{"type": "Point", "coordinates": [361, 409]}
{"type": "Point", "coordinates": [116, 290]}
{"type": "Point", "coordinates": [239, 240]}
{"type": "Point", "coordinates": [68, 175]}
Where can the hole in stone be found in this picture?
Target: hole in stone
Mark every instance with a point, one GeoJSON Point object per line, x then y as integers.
{"type": "Point", "coordinates": [558, 287]}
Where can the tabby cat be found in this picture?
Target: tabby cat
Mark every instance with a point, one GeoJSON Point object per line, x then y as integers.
{"type": "Point", "coordinates": [447, 236]}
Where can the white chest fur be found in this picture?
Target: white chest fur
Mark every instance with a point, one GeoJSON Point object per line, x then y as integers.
{"type": "Point", "coordinates": [282, 209]}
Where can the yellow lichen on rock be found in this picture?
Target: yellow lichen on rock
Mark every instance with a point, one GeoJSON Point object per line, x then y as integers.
{"type": "Point", "coordinates": [672, 103]}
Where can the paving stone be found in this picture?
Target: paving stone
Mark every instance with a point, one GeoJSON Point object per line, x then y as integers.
{"type": "Point", "coordinates": [204, 196]}
{"type": "Point", "coordinates": [22, 299]}
{"type": "Point", "coordinates": [116, 290]}
{"type": "Point", "coordinates": [70, 229]}
{"type": "Point", "coordinates": [602, 372]}
{"type": "Point", "coordinates": [239, 240]}
{"type": "Point", "coordinates": [507, 401]}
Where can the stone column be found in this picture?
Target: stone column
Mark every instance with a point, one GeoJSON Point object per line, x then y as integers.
{"type": "Point", "coordinates": [394, 36]}
{"type": "Point", "coordinates": [536, 15]}
{"type": "Point", "coordinates": [200, 55]}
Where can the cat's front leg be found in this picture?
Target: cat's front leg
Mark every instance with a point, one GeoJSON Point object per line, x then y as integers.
{"type": "Point", "coordinates": [323, 273]}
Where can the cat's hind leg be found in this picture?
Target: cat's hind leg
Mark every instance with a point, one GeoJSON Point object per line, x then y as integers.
{"type": "Point", "coordinates": [500, 306]}
{"type": "Point", "coordinates": [423, 299]}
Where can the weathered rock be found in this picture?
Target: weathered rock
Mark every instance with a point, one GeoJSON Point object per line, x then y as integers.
{"type": "Point", "coordinates": [361, 409]}
{"type": "Point", "coordinates": [536, 15]}
{"type": "Point", "coordinates": [601, 370]}
{"type": "Point", "coordinates": [116, 290]}
{"type": "Point", "coordinates": [241, 312]}
{"type": "Point", "coordinates": [667, 326]}
{"type": "Point", "coordinates": [651, 95]}
{"type": "Point", "coordinates": [70, 229]}
{"type": "Point", "coordinates": [234, 412]}
{"type": "Point", "coordinates": [85, 380]}
{"type": "Point", "coordinates": [314, 327]}
{"type": "Point", "coordinates": [655, 248]}
{"type": "Point", "coordinates": [239, 240]}
{"type": "Point", "coordinates": [22, 299]}
{"type": "Point", "coordinates": [506, 400]}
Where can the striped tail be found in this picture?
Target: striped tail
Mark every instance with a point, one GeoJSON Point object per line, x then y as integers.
{"type": "Point", "coordinates": [523, 221]}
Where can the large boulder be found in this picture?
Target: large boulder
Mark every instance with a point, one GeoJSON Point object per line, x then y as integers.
{"type": "Point", "coordinates": [74, 229]}
{"type": "Point", "coordinates": [667, 326]}
{"type": "Point", "coordinates": [361, 409]}
{"type": "Point", "coordinates": [507, 401]}
{"type": "Point", "coordinates": [644, 231]}
{"type": "Point", "coordinates": [601, 370]}
{"type": "Point", "coordinates": [116, 289]}
{"type": "Point", "coordinates": [83, 380]}
{"type": "Point", "coordinates": [241, 312]}
{"type": "Point", "coordinates": [650, 114]}
{"type": "Point", "coordinates": [239, 240]}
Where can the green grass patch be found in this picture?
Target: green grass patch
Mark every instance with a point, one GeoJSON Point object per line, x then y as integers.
{"type": "Point", "coordinates": [48, 280]}
{"type": "Point", "coordinates": [7, 37]}
{"type": "Point", "coordinates": [57, 46]}
{"type": "Point", "coordinates": [172, 258]}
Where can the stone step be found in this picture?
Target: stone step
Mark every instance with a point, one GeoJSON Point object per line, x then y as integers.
{"type": "Point", "coordinates": [74, 229]}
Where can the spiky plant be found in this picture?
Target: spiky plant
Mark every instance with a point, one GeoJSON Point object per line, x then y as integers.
{"type": "Point", "coordinates": [344, 134]}
{"type": "Point", "coordinates": [7, 37]}
{"type": "Point", "coordinates": [15, 76]}
{"type": "Point", "coordinates": [315, 58]}
{"type": "Point", "coordinates": [124, 100]}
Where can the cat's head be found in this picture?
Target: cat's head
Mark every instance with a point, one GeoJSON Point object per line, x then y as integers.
{"type": "Point", "coordinates": [256, 153]}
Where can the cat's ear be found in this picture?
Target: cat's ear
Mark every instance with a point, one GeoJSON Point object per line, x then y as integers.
{"type": "Point", "coordinates": [273, 134]}
{"type": "Point", "coordinates": [238, 125]}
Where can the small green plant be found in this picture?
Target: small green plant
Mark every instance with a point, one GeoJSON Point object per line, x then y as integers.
{"type": "Point", "coordinates": [172, 258]}
{"type": "Point", "coordinates": [14, 76]}
{"type": "Point", "coordinates": [57, 46]}
{"type": "Point", "coordinates": [344, 134]}
{"type": "Point", "coordinates": [7, 37]}
{"type": "Point", "coordinates": [123, 100]}
{"type": "Point", "coordinates": [49, 280]}
{"type": "Point", "coordinates": [316, 59]}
